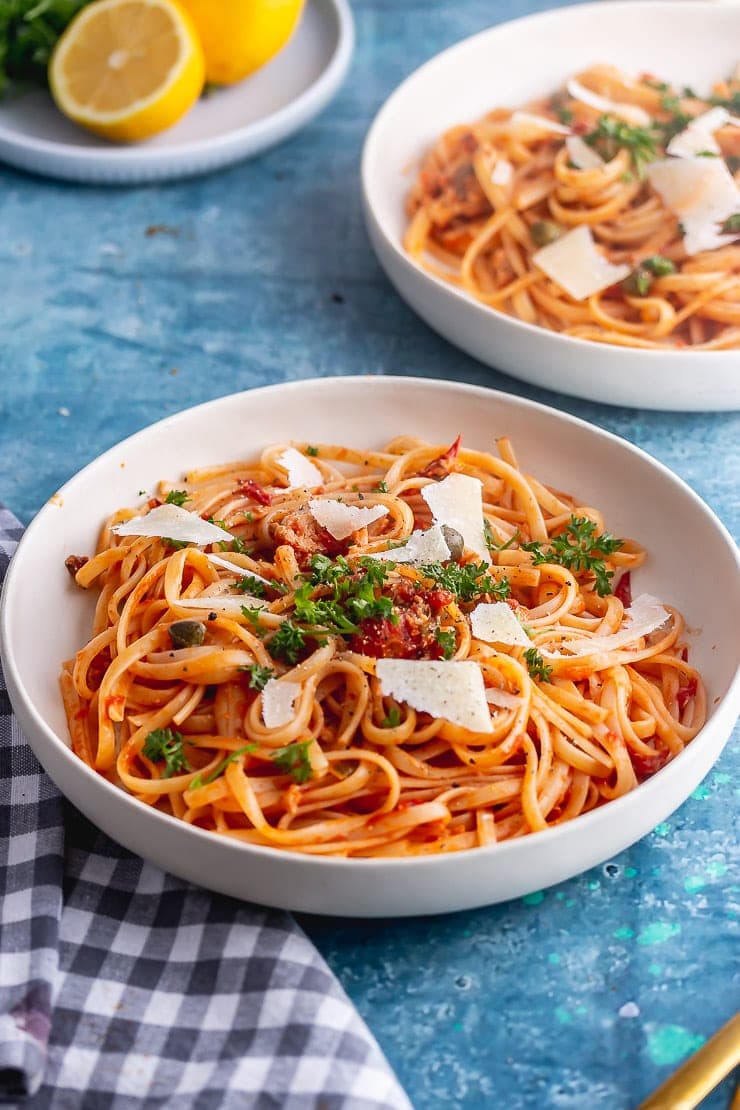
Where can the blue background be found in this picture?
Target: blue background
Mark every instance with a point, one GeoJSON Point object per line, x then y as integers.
{"type": "Point", "coordinates": [266, 275]}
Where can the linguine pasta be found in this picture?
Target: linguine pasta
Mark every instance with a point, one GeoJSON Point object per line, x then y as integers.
{"type": "Point", "coordinates": [490, 195]}
{"type": "Point", "coordinates": [242, 685]}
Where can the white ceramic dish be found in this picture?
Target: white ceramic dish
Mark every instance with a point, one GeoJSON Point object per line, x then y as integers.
{"type": "Point", "coordinates": [45, 618]}
{"type": "Point", "coordinates": [686, 42]}
{"type": "Point", "coordinates": [232, 124]}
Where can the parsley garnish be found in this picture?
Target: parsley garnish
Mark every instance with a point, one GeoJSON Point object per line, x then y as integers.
{"type": "Point", "coordinates": [392, 719]}
{"type": "Point", "coordinates": [536, 665]}
{"type": "Point", "coordinates": [731, 226]}
{"type": "Point", "coordinates": [312, 451]}
{"type": "Point", "coordinates": [612, 135]}
{"type": "Point", "coordinates": [253, 616]}
{"type": "Point", "coordinates": [324, 615]}
{"type": "Point", "coordinates": [659, 265]}
{"type": "Point", "coordinates": [578, 548]}
{"type": "Point", "coordinates": [731, 103]}
{"type": "Point", "coordinates": [467, 582]}
{"type": "Point", "coordinates": [199, 781]}
{"type": "Point", "coordinates": [164, 744]}
{"type": "Point", "coordinates": [447, 640]}
{"type": "Point", "coordinates": [258, 676]}
{"type": "Point", "coordinates": [176, 545]}
{"type": "Point", "coordinates": [353, 593]}
{"type": "Point", "coordinates": [382, 486]}
{"type": "Point", "coordinates": [248, 584]}
{"type": "Point", "coordinates": [176, 497]}
{"type": "Point", "coordinates": [294, 759]}
{"type": "Point", "coordinates": [288, 642]}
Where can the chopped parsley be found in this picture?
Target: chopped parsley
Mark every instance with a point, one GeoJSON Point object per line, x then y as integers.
{"type": "Point", "coordinates": [731, 226]}
{"type": "Point", "coordinates": [392, 718]}
{"type": "Point", "coordinates": [536, 665]}
{"type": "Point", "coordinates": [253, 616]}
{"type": "Point", "coordinates": [248, 584]}
{"type": "Point", "coordinates": [323, 614]}
{"type": "Point", "coordinates": [637, 284]}
{"type": "Point", "coordinates": [447, 640]}
{"type": "Point", "coordinates": [295, 760]}
{"type": "Point", "coordinates": [468, 581]}
{"type": "Point", "coordinates": [612, 135]}
{"type": "Point", "coordinates": [176, 497]}
{"type": "Point", "coordinates": [288, 642]}
{"type": "Point", "coordinates": [731, 102]}
{"type": "Point", "coordinates": [354, 596]}
{"type": "Point", "coordinates": [164, 744]}
{"type": "Point", "coordinates": [176, 545]}
{"type": "Point", "coordinates": [659, 265]}
{"type": "Point", "coordinates": [382, 486]}
{"type": "Point", "coordinates": [258, 676]}
{"type": "Point", "coordinates": [199, 781]}
{"type": "Point", "coordinates": [312, 451]}
{"type": "Point", "coordinates": [578, 548]}
{"type": "Point", "coordinates": [237, 544]}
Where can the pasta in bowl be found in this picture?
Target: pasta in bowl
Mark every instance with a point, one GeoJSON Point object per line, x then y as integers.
{"type": "Point", "coordinates": [389, 652]}
{"type": "Point", "coordinates": [170, 771]}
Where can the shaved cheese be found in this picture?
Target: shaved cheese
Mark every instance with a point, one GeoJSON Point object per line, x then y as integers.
{"type": "Point", "coordinates": [541, 123]}
{"type": "Point", "coordinates": [504, 699]}
{"type": "Point", "coordinates": [173, 523]}
{"type": "Point", "coordinates": [457, 501]}
{"type": "Point", "coordinates": [278, 699]}
{"type": "Point", "coordinates": [502, 172]}
{"type": "Point", "coordinates": [222, 603]}
{"type": "Point", "coordinates": [342, 520]}
{"type": "Point", "coordinates": [451, 691]}
{"type": "Point", "coordinates": [420, 548]}
{"type": "Point", "coordinates": [583, 156]}
{"type": "Point", "coordinates": [699, 135]}
{"type": "Point", "coordinates": [631, 113]}
{"type": "Point", "coordinates": [702, 193]}
{"type": "Point", "coordinates": [495, 623]}
{"type": "Point", "coordinates": [302, 474]}
{"type": "Point", "coordinates": [574, 264]}
{"type": "Point", "coordinates": [645, 615]}
{"type": "Point", "coordinates": [236, 569]}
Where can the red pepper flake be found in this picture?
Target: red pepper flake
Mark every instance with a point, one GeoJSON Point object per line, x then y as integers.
{"type": "Point", "coordinates": [254, 490]}
{"type": "Point", "coordinates": [441, 467]}
{"type": "Point", "coordinates": [647, 765]}
{"type": "Point", "coordinates": [623, 589]}
{"type": "Point", "coordinates": [154, 502]}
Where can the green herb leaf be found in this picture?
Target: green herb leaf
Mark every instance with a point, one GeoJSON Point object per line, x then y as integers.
{"type": "Point", "coordinates": [382, 486]}
{"type": "Point", "coordinates": [447, 640]}
{"type": "Point", "coordinates": [392, 718]}
{"type": "Point", "coordinates": [258, 676]}
{"type": "Point", "coordinates": [536, 665]}
{"type": "Point", "coordinates": [248, 584]}
{"type": "Point", "coordinates": [731, 226]}
{"type": "Point", "coordinates": [637, 284]}
{"type": "Point", "coordinates": [578, 548]}
{"type": "Point", "coordinates": [288, 642]}
{"type": "Point", "coordinates": [176, 545]}
{"type": "Point", "coordinates": [467, 582]}
{"type": "Point", "coordinates": [612, 135]}
{"type": "Point", "coordinates": [313, 451]}
{"type": "Point", "coordinates": [165, 745]}
{"type": "Point", "coordinates": [295, 760]}
{"type": "Point", "coordinates": [659, 265]}
{"type": "Point", "coordinates": [253, 616]}
{"type": "Point", "coordinates": [199, 781]}
{"type": "Point", "coordinates": [176, 497]}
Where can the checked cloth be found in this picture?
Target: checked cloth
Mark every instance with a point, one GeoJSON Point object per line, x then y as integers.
{"type": "Point", "coordinates": [123, 987]}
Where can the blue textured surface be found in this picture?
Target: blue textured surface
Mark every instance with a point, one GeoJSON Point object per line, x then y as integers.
{"type": "Point", "coordinates": [266, 275]}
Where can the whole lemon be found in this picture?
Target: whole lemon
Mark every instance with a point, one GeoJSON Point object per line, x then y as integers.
{"type": "Point", "coordinates": [239, 36]}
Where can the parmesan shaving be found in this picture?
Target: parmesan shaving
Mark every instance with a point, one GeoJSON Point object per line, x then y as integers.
{"type": "Point", "coordinates": [222, 603]}
{"type": "Point", "coordinates": [698, 136]}
{"type": "Point", "coordinates": [342, 520]}
{"type": "Point", "coordinates": [495, 623]}
{"type": "Point", "coordinates": [502, 172]}
{"type": "Point", "coordinates": [173, 523]}
{"type": "Point", "coordinates": [702, 193]}
{"type": "Point", "coordinates": [540, 123]}
{"type": "Point", "coordinates": [278, 700]}
{"type": "Point", "coordinates": [451, 691]}
{"type": "Point", "coordinates": [302, 473]}
{"type": "Point", "coordinates": [583, 156]}
{"type": "Point", "coordinates": [235, 568]}
{"type": "Point", "coordinates": [630, 113]}
{"type": "Point", "coordinates": [457, 501]}
{"type": "Point", "coordinates": [645, 615]}
{"type": "Point", "coordinates": [420, 548]}
{"type": "Point", "coordinates": [574, 263]}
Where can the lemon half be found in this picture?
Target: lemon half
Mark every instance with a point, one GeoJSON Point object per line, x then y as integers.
{"type": "Point", "coordinates": [127, 69]}
{"type": "Point", "coordinates": [239, 36]}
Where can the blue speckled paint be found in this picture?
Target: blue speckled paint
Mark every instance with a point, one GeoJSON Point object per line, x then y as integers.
{"type": "Point", "coordinates": [106, 329]}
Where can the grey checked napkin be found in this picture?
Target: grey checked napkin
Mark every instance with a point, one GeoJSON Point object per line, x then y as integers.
{"type": "Point", "coordinates": [121, 986]}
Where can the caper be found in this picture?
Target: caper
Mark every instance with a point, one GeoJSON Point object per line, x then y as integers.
{"type": "Point", "coordinates": [637, 284]}
{"type": "Point", "coordinates": [544, 232]}
{"type": "Point", "coordinates": [454, 541]}
{"type": "Point", "coordinates": [187, 633]}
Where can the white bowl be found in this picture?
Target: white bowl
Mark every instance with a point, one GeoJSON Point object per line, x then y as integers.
{"type": "Point", "coordinates": [692, 564]}
{"type": "Point", "coordinates": [236, 122]}
{"type": "Point", "coordinates": [684, 42]}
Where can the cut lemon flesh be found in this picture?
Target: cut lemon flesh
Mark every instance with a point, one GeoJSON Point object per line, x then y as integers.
{"type": "Point", "coordinates": [127, 69]}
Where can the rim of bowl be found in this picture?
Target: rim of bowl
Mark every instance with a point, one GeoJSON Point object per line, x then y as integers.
{"type": "Point", "coordinates": [595, 817]}
{"type": "Point", "coordinates": [485, 311]}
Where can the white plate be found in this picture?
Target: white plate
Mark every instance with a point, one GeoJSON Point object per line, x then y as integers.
{"type": "Point", "coordinates": [685, 42]}
{"type": "Point", "coordinates": [45, 619]}
{"type": "Point", "coordinates": [233, 123]}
